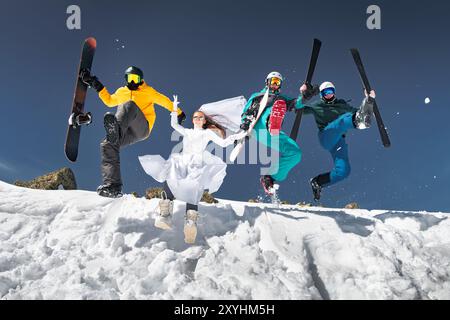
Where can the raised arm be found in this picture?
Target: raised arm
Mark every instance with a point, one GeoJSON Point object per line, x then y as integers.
{"type": "Point", "coordinates": [174, 117]}
{"type": "Point", "coordinates": [307, 91]}
{"type": "Point", "coordinates": [109, 99]}
{"type": "Point", "coordinates": [227, 141]}
{"type": "Point", "coordinates": [93, 82]}
{"type": "Point", "coordinates": [294, 104]}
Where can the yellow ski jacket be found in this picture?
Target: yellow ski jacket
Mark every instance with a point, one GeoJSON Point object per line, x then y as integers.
{"type": "Point", "coordinates": [145, 97]}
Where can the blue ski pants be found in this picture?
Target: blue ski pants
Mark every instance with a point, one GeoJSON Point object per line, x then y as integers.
{"type": "Point", "coordinates": [332, 139]}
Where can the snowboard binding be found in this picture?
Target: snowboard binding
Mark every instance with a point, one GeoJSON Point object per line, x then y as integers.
{"type": "Point", "coordinates": [85, 76]}
{"type": "Point", "coordinates": [77, 120]}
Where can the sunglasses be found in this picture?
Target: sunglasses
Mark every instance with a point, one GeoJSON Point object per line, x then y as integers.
{"type": "Point", "coordinates": [133, 77]}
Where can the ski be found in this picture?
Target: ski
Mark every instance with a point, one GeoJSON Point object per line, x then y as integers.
{"type": "Point", "coordinates": [77, 117]}
{"type": "Point", "coordinates": [262, 106]}
{"type": "Point", "coordinates": [312, 66]}
{"type": "Point", "coordinates": [276, 117]}
{"type": "Point", "coordinates": [381, 128]}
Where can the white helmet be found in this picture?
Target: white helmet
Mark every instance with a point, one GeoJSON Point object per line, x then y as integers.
{"type": "Point", "coordinates": [274, 74]}
{"type": "Point", "coordinates": [326, 85]}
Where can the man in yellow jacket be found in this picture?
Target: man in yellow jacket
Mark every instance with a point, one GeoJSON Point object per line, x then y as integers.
{"type": "Point", "coordinates": [132, 122]}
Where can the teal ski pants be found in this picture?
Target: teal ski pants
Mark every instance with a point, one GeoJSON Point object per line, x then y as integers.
{"type": "Point", "coordinates": [289, 153]}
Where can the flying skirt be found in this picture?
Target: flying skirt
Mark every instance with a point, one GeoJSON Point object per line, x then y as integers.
{"type": "Point", "coordinates": [186, 174]}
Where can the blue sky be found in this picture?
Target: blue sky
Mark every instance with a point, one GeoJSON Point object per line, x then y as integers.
{"type": "Point", "coordinates": [210, 50]}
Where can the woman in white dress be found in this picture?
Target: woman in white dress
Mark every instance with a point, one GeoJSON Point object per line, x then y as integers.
{"type": "Point", "coordinates": [187, 174]}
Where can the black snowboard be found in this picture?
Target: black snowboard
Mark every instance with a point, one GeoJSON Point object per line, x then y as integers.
{"type": "Point", "coordinates": [73, 131]}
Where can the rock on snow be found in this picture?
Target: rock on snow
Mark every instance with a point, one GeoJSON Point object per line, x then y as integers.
{"type": "Point", "coordinates": [77, 245]}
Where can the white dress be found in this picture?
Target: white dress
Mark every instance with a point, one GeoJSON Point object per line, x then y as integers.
{"type": "Point", "coordinates": [193, 170]}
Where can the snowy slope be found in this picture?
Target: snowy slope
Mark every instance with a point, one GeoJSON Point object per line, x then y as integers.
{"type": "Point", "coordinates": [77, 245]}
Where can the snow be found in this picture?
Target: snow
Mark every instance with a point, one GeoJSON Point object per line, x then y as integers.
{"type": "Point", "coordinates": [77, 245]}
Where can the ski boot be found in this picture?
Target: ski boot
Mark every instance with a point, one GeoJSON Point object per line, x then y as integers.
{"type": "Point", "coordinates": [362, 118]}
{"type": "Point", "coordinates": [276, 117]}
{"type": "Point", "coordinates": [110, 191]}
{"type": "Point", "coordinates": [164, 219]}
{"type": "Point", "coordinates": [112, 128]}
{"type": "Point", "coordinates": [317, 183]}
{"type": "Point", "coordinates": [316, 188]}
{"type": "Point", "coordinates": [190, 226]}
{"type": "Point", "coordinates": [269, 185]}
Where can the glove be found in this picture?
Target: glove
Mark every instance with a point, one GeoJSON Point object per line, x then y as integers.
{"type": "Point", "coordinates": [175, 103]}
{"type": "Point", "coordinates": [181, 118]}
{"type": "Point", "coordinates": [246, 124]}
{"type": "Point", "coordinates": [90, 80]}
{"type": "Point", "coordinates": [311, 91]}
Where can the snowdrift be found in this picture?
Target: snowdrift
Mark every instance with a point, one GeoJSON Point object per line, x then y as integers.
{"type": "Point", "coordinates": [77, 245]}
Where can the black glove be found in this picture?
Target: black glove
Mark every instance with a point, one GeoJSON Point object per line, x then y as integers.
{"type": "Point", "coordinates": [313, 90]}
{"type": "Point", "coordinates": [181, 117]}
{"type": "Point", "coordinates": [90, 80]}
{"type": "Point", "coordinates": [246, 124]}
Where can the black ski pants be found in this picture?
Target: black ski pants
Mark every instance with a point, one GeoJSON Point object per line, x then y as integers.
{"type": "Point", "coordinates": [133, 127]}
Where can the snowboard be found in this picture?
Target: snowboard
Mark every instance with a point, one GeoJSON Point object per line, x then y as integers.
{"type": "Point", "coordinates": [77, 115]}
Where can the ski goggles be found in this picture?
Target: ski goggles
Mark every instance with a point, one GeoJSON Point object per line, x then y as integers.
{"type": "Point", "coordinates": [133, 77]}
{"type": "Point", "coordinates": [327, 91]}
{"type": "Point", "coordinates": [275, 81]}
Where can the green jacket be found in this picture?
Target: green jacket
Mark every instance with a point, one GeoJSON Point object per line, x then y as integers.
{"type": "Point", "coordinates": [324, 113]}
